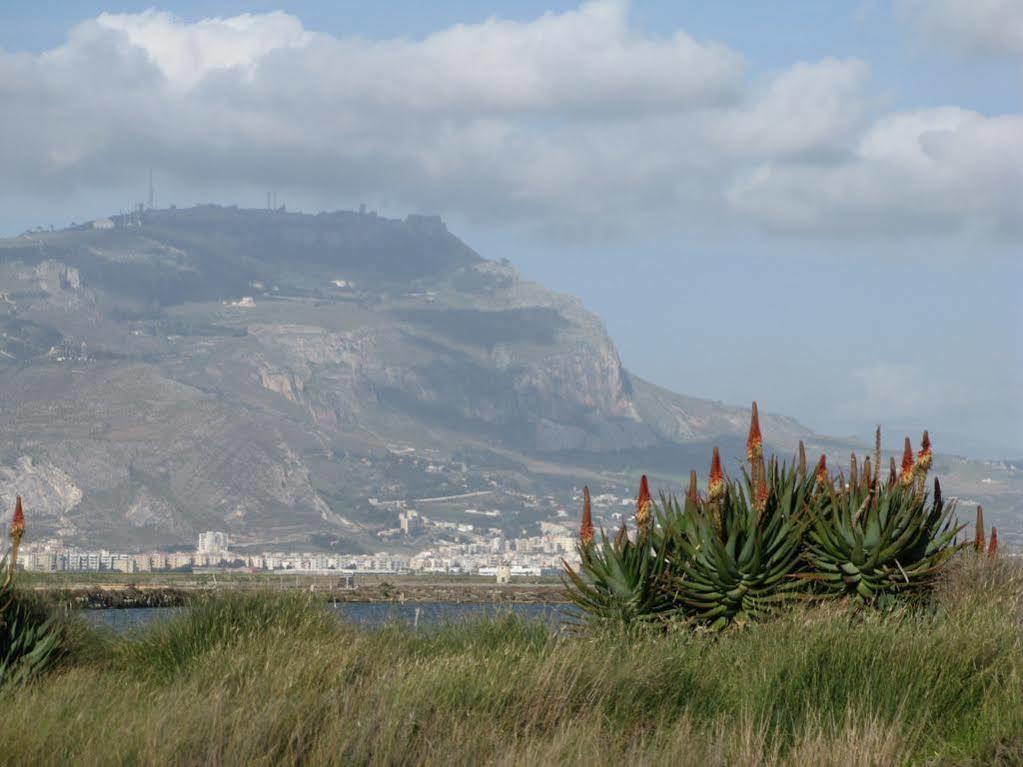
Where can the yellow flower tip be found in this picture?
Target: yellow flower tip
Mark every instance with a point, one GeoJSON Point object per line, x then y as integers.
{"type": "Point", "coordinates": [908, 464]}
{"type": "Point", "coordinates": [821, 472]}
{"type": "Point", "coordinates": [925, 457]}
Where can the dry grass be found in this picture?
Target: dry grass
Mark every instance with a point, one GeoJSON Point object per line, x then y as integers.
{"type": "Point", "coordinates": [271, 680]}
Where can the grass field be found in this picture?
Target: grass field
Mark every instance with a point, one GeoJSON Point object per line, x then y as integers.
{"type": "Point", "coordinates": [268, 679]}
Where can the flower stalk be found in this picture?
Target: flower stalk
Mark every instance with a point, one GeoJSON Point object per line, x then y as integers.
{"type": "Point", "coordinates": [586, 527]}
{"type": "Point", "coordinates": [644, 506]}
{"type": "Point", "coordinates": [908, 471]}
{"type": "Point", "coordinates": [978, 541]}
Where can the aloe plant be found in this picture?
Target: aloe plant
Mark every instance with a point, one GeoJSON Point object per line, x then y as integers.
{"type": "Point", "coordinates": [731, 557]}
{"type": "Point", "coordinates": [29, 637]}
{"type": "Point", "coordinates": [734, 559]}
{"type": "Point", "coordinates": [873, 542]}
{"type": "Point", "coordinates": [778, 533]}
{"type": "Point", "coordinates": [620, 579]}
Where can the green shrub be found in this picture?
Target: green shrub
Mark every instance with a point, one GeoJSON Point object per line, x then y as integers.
{"type": "Point", "coordinates": [754, 545]}
{"type": "Point", "coordinates": [621, 580]}
{"type": "Point", "coordinates": [221, 620]}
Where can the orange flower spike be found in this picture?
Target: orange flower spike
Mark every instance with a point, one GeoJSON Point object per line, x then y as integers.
{"type": "Point", "coordinates": [763, 494]}
{"type": "Point", "coordinates": [979, 540]}
{"type": "Point", "coordinates": [18, 522]}
{"type": "Point", "coordinates": [992, 549]}
{"type": "Point", "coordinates": [821, 472]}
{"type": "Point", "coordinates": [643, 505]}
{"type": "Point", "coordinates": [716, 486]}
{"type": "Point", "coordinates": [693, 493]}
{"type": "Point", "coordinates": [586, 528]}
{"type": "Point", "coordinates": [755, 441]}
{"type": "Point", "coordinates": [908, 464]}
{"type": "Point", "coordinates": [924, 458]}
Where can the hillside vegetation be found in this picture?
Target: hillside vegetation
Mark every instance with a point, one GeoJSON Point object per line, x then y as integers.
{"type": "Point", "coordinates": [272, 679]}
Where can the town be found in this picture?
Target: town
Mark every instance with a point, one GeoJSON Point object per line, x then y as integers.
{"type": "Point", "coordinates": [495, 556]}
{"type": "Point", "coordinates": [419, 544]}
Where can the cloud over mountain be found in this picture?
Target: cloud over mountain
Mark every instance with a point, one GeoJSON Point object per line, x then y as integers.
{"type": "Point", "coordinates": [573, 123]}
{"type": "Point", "coordinates": [984, 27]}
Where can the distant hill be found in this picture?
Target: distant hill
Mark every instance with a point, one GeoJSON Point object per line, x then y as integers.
{"type": "Point", "coordinates": [287, 377]}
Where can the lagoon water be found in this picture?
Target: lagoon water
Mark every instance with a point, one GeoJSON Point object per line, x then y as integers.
{"type": "Point", "coordinates": [370, 614]}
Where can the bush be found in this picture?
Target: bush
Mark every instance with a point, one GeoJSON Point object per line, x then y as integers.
{"type": "Point", "coordinates": [752, 546]}
{"type": "Point", "coordinates": [216, 621]}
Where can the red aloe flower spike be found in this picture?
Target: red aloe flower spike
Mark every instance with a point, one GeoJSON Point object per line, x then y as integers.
{"type": "Point", "coordinates": [802, 459]}
{"type": "Point", "coordinates": [992, 549]}
{"type": "Point", "coordinates": [892, 471]}
{"type": "Point", "coordinates": [821, 472]}
{"type": "Point", "coordinates": [693, 493]}
{"type": "Point", "coordinates": [17, 530]}
{"type": "Point", "coordinates": [866, 473]}
{"type": "Point", "coordinates": [925, 458]}
{"type": "Point", "coordinates": [18, 522]}
{"type": "Point", "coordinates": [716, 486]}
{"type": "Point", "coordinates": [908, 464]}
{"type": "Point", "coordinates": [586, 528]}
{"type": "Point", "coordinates": [643, 505]}
{"type": "Point", "coordinates": [755, 441]}
{"type": "Point", "coordinates": [763, 494]}
{"type": "Point", "coordinates": [854, 472]}
{"type": "Point", "coordinates": [978, 542]}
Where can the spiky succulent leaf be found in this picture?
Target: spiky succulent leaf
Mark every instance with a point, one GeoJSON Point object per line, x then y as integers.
{"type": "Point", "coordinates": [29, 638]}
{"type": "Point", "coordinates": [619, 581]}
{"type": "Point", "coordinates": [879, 542]}
{"type": "Point", "coordinates": [733, 560]}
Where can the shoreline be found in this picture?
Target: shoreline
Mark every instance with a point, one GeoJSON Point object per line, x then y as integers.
{"type": "Point", "coordinates": [131, 595]}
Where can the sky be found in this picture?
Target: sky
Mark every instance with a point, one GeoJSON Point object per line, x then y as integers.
{"type": "Point", "coordinates": [815, 205]}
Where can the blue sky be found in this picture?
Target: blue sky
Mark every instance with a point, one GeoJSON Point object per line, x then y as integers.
{"type": "Point", "coordinates": [817, 205]}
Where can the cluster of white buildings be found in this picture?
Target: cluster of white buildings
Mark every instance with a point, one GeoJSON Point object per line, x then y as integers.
{"type": "Point", "coordinates": [55, 558]}
{"type": "Point", "coordinates": [497, 555]}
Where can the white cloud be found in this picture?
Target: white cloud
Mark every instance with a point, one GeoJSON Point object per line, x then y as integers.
{"type": "Point", "coordinates": [984, 27]}
{"type": "Point", "coordinates": [186, 53]}
{"type": "Point", "coordinates": [575, 123]}
{"type": "Point", "coordinates": [904, 391]}
{"type": "Point", "coordinates": [929, 170]}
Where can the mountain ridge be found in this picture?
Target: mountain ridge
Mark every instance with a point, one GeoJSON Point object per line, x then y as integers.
{"type": "Point", "coordinates": [269, 373]}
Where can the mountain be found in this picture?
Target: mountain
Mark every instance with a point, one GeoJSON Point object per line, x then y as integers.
{"type": "Point", "coordinates": [294, 378]}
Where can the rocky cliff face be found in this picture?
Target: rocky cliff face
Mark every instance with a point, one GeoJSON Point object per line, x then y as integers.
{"type": "Point", "coordinates": [267, 373]}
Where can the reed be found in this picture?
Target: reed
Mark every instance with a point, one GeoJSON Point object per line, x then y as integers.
{"type": "Point", "coordinates": [264, 679]}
